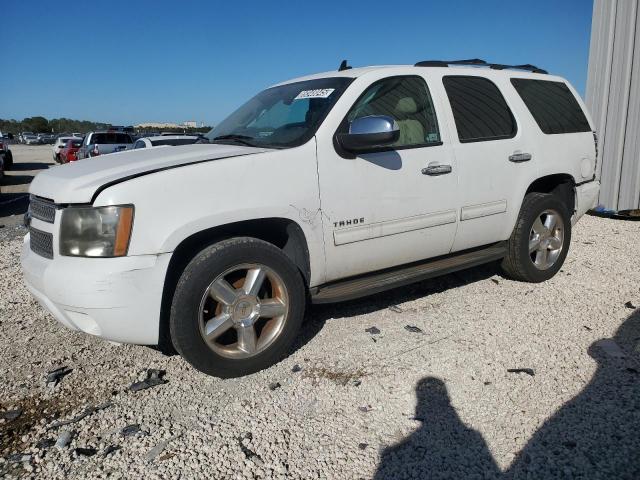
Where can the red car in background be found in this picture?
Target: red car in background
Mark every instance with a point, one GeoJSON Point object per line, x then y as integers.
{"type": "Point", "coordinates": [68, 152]}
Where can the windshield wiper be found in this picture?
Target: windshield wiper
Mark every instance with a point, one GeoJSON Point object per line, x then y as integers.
{"type": "Point", "coordinates": [236, 138]}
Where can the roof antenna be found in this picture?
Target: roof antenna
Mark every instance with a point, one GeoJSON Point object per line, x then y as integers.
{"type": "Point", "coordinates": [343, 66]}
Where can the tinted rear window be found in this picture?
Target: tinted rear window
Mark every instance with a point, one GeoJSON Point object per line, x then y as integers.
{"type": "Point", "coordinates": [552, 105]}
{"type": "Point", "coordinates": [111, 138]}
{"type": "Point", "coordinates": [479, 109]}
{"type": "Point", "coordinates": [175, 142]}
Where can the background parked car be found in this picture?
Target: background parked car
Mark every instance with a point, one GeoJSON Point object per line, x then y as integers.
{"type": "Point", "coordinates": [30, 139]}
{"type": "Point", "coordinates": [22, 135]}
{"type": "Point", "coordinates": [69, 151]}
{"type": "Point", "coordinates": [173, 140]}
{"type": "Point", "coordinates": [101, 143]}
{"type": "Point", "coordinates": [5, 152]}
{"type": "Point", "coordinates": [46, 138]}
{"type": "Point", "coordinates": [59, 144]}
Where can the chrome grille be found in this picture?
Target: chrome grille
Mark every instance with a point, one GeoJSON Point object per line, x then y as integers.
{"type": "Point", "coordinates": [41, 242]}
{"type": "Point", "coordinates": [41, 209]}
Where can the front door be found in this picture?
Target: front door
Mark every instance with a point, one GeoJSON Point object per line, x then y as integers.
{"type": "Point", "coordinates": [389, 207]}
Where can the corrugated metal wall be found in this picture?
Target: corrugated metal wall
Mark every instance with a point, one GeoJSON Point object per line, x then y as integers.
{"type": "Point", "coordinates": [613, 97]}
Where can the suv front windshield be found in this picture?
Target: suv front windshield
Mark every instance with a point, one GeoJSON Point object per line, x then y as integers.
{"type": "Point", "coordinates": [283, 116]}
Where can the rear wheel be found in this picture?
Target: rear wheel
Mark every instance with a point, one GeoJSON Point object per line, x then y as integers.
{"type": "Point", "coordinates": [237, 308]}
{"type": "Point", "coordinates": [540, 240]}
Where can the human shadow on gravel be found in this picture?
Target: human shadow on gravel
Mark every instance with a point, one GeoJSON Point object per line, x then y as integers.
{"type": "Point", "coordinates": [595, 435]}
{"type": "Point", "coordinates": [443, 446]}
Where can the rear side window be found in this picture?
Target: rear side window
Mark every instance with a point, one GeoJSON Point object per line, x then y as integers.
{"type": "Point", "coordinates": [479, 109]}
{"type": "Point", "coordinates": [174, 142]}
{"type": "Point", "coordinates": [111, 138]}
{"type": "Point", "coordinates": [552, 105]}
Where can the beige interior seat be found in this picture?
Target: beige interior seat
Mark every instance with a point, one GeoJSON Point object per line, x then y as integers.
{"type": "Point", "coordinates": [411, 130]}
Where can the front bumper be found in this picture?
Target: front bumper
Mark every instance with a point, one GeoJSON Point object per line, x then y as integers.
{"type": "Point", "coordinates": [114, 298]}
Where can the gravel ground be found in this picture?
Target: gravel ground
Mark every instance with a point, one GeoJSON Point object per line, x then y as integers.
{"type": "Point", "coordinates": [438, 402]}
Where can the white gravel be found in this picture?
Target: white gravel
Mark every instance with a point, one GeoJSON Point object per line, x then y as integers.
{"type": "Point", "coordinates": [399, 404]}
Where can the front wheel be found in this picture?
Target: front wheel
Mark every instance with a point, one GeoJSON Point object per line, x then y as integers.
{"type": "Point", "coordinates": [540, 240]}
{"type": "Point", "coordinates": [237, 308]}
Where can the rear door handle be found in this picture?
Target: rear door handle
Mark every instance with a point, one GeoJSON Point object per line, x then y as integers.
{"type": "Point", "coordinates": [435, 169]}
{"type": "Point", "coordinates": [519, 157]}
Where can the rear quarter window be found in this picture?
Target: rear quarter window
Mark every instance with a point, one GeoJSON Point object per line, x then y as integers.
{"type": "Point", "coordinates": [552, 105]}
{"type": "Point", "coordinates": [479, 109]}
{"type": "Point", "coordinates": [111, 138]}
{"type": "Point", "coordinates": [175, 142]}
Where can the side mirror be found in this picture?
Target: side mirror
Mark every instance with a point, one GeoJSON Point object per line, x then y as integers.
{"type": "Point", "coordinates": [369, 133]}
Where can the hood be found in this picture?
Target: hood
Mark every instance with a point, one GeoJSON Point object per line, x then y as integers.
{"type": "Point", "coordinates": [77, 182]}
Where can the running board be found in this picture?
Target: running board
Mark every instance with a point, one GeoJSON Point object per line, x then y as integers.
{"type": "Point", "coordinates": [368, 284]}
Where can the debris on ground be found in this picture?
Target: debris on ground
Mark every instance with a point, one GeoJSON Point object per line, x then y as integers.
{"type": "Point", "coordinates": [365, 409]}
{"type": "Point", "coordinates": [633, 370]}
{"type": "Point", "coordinates": [362, 446]}
{"type": "Point", "coordinates": [11, 414]}
{"type": "Point", "coordinates": [274, 386]}
{"type": "Point", "coordinates": [528, 371]}
{"type": "Point", "coordinates": [154, 378]}
{"type": "Point", "coordinates": [296, 368]}
{"type": "Point", "coordinates": [64, 438]}
{"type": "Point", "coordinates": [372, 330]}
{"type": "Point", "coordinates": [130, 430]}
{"type": "Point", "coordinates": [610, 347]}
{"type": "Point", "coordinates": [88, 411]}
{"type": "Point", "coordinates": [413, 329]}
{"type": "Point", "coordinates": [157, 450]}
{"type": "Point", "coordinates": [587, 328]}
{"type": "Point", "coordinates": [243, 442]}
{"type": "Point", "coordinates": [54, 376]}
{"type": "Point", "coordinates": [395, 309]}
{"type": "Point", "coordinates": [45, 443]}
{"type": "Point", "coordinates": [85, 451]}
{"type": "Point", "coordinates": [110, 449]}
{"type": "Point", "coordinates": [19, 458]}
{"type": "Point", "coordinates": [630, 305]}
{"type": "Point", "coordinates": [496, 281]}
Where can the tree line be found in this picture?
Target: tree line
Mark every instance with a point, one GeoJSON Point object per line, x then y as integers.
{"type": "Point", "coordinates": [64, 125]}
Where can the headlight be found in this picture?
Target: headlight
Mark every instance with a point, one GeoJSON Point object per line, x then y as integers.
{"type": "Point", "coordinates": [96, 231]}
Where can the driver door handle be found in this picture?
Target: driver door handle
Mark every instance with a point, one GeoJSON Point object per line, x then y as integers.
{"type": "Point", "coordinates": [435, 169]}
{"type": "Point", "coordinates": [519, 157]}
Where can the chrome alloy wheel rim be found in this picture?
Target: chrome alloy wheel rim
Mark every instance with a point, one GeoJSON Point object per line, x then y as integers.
{"type": "Point", "coordinates": [243, 311]}
{"type": "Point", "coordinates": [546, 239]}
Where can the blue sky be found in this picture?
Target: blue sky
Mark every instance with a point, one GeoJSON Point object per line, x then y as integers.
{"type": "Point", "coordinates": [128, 62]}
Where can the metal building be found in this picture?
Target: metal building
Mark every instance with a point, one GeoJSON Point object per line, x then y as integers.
{"type": "Point", "coordinates": [613, 97]}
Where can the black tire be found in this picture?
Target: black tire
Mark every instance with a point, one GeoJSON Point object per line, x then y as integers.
{"type": "Point", "coordinates": [203, 269]}
{"type": "Point", "coordinates": [518, 263]}
{"type": "Point", "coordinates": [8, 160]}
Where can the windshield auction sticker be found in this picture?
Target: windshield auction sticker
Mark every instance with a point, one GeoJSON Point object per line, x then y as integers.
{"type": "Point", "coordinates": [318, 93]}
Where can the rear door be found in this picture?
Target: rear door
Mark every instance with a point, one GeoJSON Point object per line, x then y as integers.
{"type": "Point", "coordinates": [383, 209]}
{"type": "Point", "coordinates": [493, 154]}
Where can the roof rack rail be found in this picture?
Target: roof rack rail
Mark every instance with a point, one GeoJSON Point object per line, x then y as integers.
{"type": "Point", "coordinates": [480, 63]}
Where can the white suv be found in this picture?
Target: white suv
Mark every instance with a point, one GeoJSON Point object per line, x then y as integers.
{"type": "Point", "coordinates": [323, 188]}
